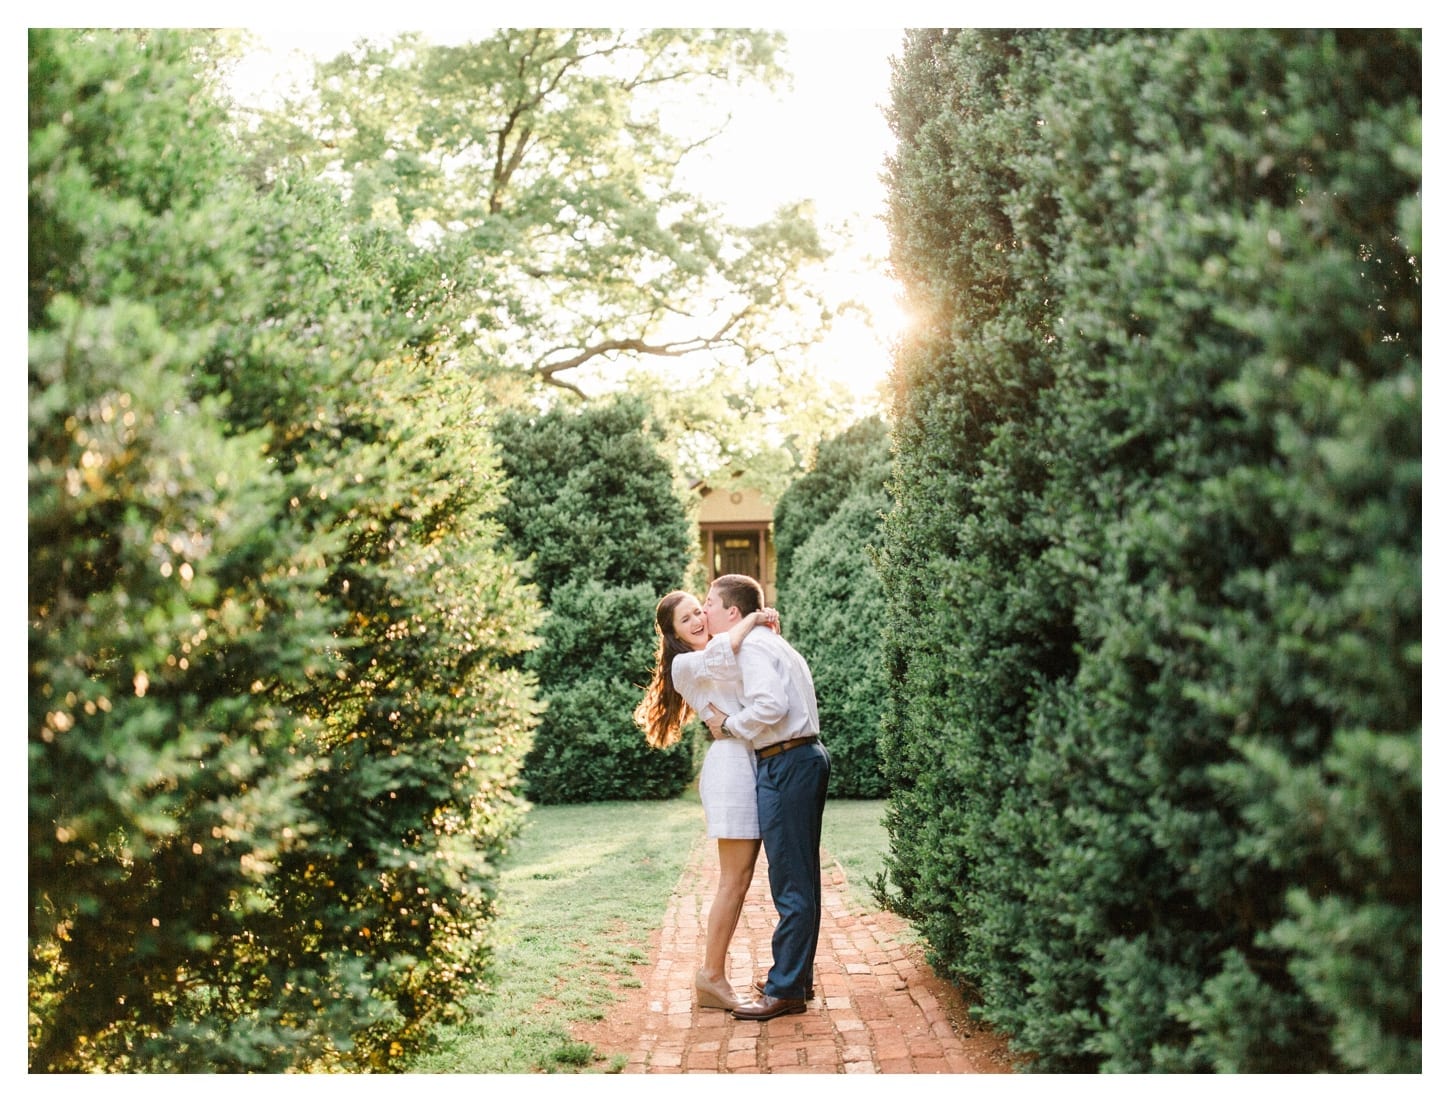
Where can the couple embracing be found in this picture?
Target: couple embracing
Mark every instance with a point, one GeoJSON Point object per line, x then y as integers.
{"type": "Point", "coordinates": [764, 777]}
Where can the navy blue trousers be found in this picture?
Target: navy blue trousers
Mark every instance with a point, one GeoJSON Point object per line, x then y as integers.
{"type": "Point", "coordinates": [790, 790]}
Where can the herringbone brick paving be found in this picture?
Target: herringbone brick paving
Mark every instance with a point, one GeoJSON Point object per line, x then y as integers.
{"type": "Point", "coordinates": [878, 1007]}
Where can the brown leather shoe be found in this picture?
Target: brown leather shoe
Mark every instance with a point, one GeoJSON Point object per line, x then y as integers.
{"type": "Point", "coordinates": [767, 1007]}
{"type": "Point", "coordinates": [759, 988]}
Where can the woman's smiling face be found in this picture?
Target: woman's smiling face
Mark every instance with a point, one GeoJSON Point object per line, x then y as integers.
{"type": "Point", "coordinates": [689, 624]}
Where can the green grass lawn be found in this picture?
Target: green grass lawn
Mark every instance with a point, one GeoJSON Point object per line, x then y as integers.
{"type": "Point", "coordinates": [581, 892]}
{"type": "Point", "coordinates": [853, 833]}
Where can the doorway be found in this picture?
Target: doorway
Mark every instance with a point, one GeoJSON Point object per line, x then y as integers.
{"type": "Point", "coordinates": [737, 553]}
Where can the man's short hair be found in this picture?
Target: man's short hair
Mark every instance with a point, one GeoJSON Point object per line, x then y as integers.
{"type": "Point", "coordinates": [739, 591]}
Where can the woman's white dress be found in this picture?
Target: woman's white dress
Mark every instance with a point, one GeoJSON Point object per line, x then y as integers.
{"type": "Point", "coordinates": [727, 779]}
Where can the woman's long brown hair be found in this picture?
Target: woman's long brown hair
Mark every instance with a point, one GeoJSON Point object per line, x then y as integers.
{"type": "Point", "coordinates": [661, 713]}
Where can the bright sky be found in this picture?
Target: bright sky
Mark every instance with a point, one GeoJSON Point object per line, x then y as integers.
{"type": "Point", "coordinates": [825, 140]}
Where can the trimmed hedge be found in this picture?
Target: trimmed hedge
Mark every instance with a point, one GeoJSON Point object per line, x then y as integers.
{"type": "Point", "coordinates": [592, 507]}
{"type": "Point", "coordinates": [836, 612]}
{"type": "Point", "coordinates": [855, 459]}
{"type": "Point", "coordinates": [272, 748]}
{"type": "Point", "coordinates": [1153, 569]}
{"type": "Point", "coordinates": [826, 524]}
{"type": "Point", "coordinates": [594, 660]}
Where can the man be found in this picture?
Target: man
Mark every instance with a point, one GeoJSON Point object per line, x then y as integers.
{"type": "Point", "coordinates": [778, 718]}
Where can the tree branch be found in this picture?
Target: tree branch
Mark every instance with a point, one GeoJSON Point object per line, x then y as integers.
{"type": "Point", "coordinates": [549, 371]}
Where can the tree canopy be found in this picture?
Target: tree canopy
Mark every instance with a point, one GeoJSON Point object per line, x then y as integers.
{"type": "Point", "coordinates": [540, 166]}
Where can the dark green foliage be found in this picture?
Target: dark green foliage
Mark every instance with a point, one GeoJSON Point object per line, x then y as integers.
{"type": "Point", "coordinates": [592, 506]}
{"type": "Point", "coordinates": [836, 610]}
{"type": "Point", "coordinates": [826, 525]}
{"type": "Point", "coordinates": [591, 497]}
{"type": "Point", "coordinates": [1153, 568]}
{"type": "Point", "coordinates": [272, 745]}
{"type": "Point", "coordinates": [597, 653]}
{"type": "Point", "coordinates": [859, 457]}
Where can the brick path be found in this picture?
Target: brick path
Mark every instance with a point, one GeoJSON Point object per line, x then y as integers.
{"type": "Point", "coordinates": [878, 1008]}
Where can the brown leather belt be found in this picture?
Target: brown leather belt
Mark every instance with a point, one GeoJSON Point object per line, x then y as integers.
{"type": "Point", "coordinates": [782, 747]}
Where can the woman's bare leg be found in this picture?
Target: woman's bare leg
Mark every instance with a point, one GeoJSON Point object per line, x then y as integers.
{"type": "Point", "coordinates": [737, 868]}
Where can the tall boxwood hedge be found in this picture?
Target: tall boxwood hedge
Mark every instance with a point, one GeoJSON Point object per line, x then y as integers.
{"type": "Point", "coordinates": [1153, 568]}
{"type": "Point", "coordinates": [272, 751]}
{"type": "Point", "coordinates": [827, 524]}
{"type": "Point", "coordinates": [592, 507]}
{"type": "Point", "coordinates": [858, 458]}
{"type": "Point", "coordinates": [835, 610]}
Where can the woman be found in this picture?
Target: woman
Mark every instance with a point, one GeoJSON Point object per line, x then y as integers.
{"type": "Point", "coordinates": [693, 671]}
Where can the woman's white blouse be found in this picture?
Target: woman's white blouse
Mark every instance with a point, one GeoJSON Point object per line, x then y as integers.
{"type": "Point", "coordinates": [709, 676]}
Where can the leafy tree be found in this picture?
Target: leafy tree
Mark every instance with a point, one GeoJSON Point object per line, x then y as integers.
{"type": "Point", "coordinates": [1153, 566]}
{"type": "Point", "coordinates": [592, 507]}
{"type": "Point", "coordinates": [764, 426]}
{"type": "Point", "coordinates": [540, 166]}
{"type": "Point", "coordinates": [527, 182]}
{"type": "Point", "coordinates": [272, 748]}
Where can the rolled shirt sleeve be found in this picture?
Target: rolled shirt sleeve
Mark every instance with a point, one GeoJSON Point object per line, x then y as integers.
{"type": "Point", "coordinates": [708, 676]}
